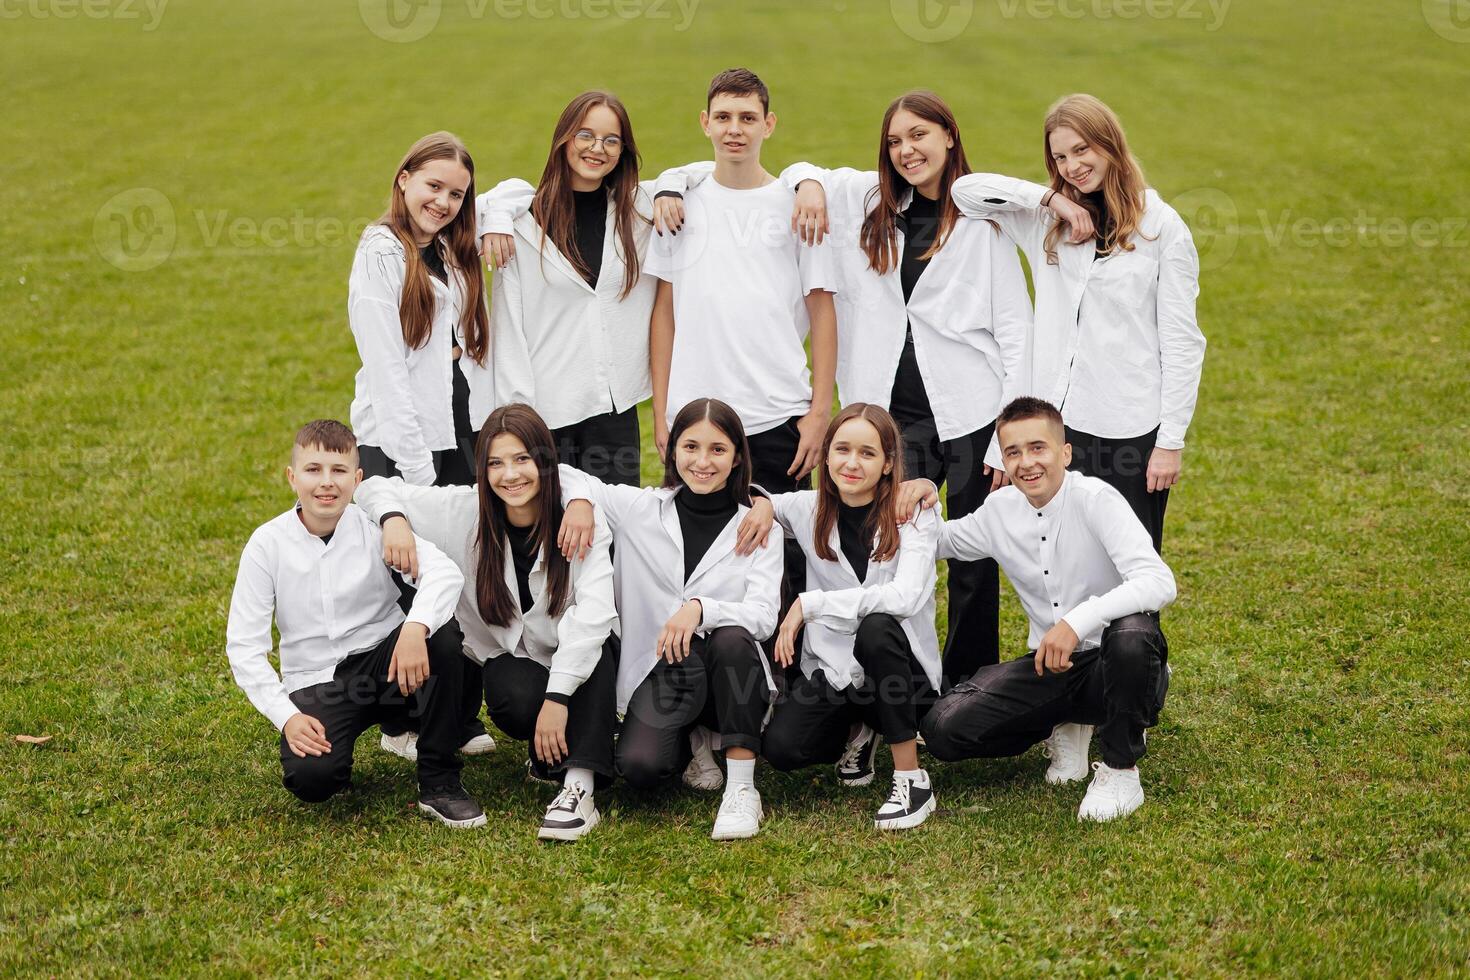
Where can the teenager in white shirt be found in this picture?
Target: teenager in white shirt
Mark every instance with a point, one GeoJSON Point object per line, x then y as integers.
{"type": "Point", "coordinates": [416, 305]}
{"type": "Point", "coordinates": [1117, 346]}
{"type": "Point", "coordinates": [1091, 584]}
{"type": "Point", "coordinates": [535, 624]}
{"type": "Point", "coordinates": [349, 657]}
{"type": "Point", "coordinates": [933, 321]}
{"type": "Point", "coordinates": [569, 306]}
{"type": "Point", "coordinates": [869, 653]}
{"type": "Point", "coordinates": [693, 609]}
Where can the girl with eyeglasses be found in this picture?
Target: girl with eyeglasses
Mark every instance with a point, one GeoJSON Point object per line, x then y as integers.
{"type": "Point", "coordinates": [570, 305]}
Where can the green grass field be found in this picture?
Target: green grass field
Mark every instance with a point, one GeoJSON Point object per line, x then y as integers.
{"type": "Point", "coordinates": [1308, 786]}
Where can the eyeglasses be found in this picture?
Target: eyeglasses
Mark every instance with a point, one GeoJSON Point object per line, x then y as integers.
{"type": "Point", "coordinates": [586, 140]}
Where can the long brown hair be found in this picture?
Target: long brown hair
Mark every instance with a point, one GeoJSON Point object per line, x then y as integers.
{"type": "Point", "coordinates": [883, 518]}
{"type": "Point", "coordinates": [724, 418]}
{"type": "Point", "coordinates": [553, 207]}
{"type": "Point", "coordinates": [1123, 184]}
{"type": "Point", "coordinates": [416, 304]}
{"type": "Point", "coordinates": [879, 235]}
{"type": "Point", "coordinates": [492, 592]}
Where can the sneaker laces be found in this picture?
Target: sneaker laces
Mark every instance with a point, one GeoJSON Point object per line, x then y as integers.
{"type": "Point", "coordinates": [1102, 775]}
{"type": "Point", "coordinates": [569, 798]}
{"type": "Point", "coordinates": [900, 793]}
{"type": "Point", "coordinates": [454, 791]}
{"type": "Point", "coordinates": [740, 799]}
{"type": "Point", "coordinates": [852, 755]}
{"type": "Point", "coordinates": [1059, 749]}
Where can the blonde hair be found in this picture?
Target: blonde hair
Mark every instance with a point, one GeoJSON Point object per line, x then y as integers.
{"type": "Point", "coordinates": [1123, 183]}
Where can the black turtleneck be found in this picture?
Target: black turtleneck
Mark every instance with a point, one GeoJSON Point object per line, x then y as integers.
{"type": "Point", "coordinates": [910, 400]}
{"type": "Point", "coordinates": [1103, 222]}
{"type": "Point", "coordinates": [854, 537]}
{"type": "Point", "coordinates": [590, 208]}
{"type": "Point", "coordinates": [702, 516]}
{"type": "Point", "coordinates": [433, 261]}
{"type": "Point", "coordinates": [523, 556]}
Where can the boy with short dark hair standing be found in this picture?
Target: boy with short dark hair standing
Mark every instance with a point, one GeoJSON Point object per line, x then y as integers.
{"type": "Point", "coordinates": [349, 657]}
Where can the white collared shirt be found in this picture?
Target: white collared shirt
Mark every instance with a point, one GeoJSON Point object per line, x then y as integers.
{"type": "Point", "coordinates": [1084, 557]}
{"type": "Point", "coordinates": [648, 574]}
{"type": "Point", "coordinates": [1117, 346]}
{"type": "Point", "coordinates": [329, 600]}
{"type": "Point", "coordinates": [969, 311]}
{"type": "Point", "coordinates": [835, 602]}
{"type": "Point", "coordinates": [740, 278]}
{"type": "Point", "coordinates": [569, 645]}
{"type": "Point", "coordinates": [404, 401]}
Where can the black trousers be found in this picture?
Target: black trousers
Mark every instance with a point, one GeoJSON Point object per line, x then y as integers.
{"type": "Point", "coordinates": [1005, 709]}
{"type": "Point", "coordinates": [359, 696]}
{"type": "Point", "coordinates": [973, 639]}
{"type": "Point", "coordinates": [515, 690]}
{"type": "Point", "coordinates": [720, 685]}
{"type": "Point", "coordinates": [606, 446]}
{"type": "Point", "coordinates": [1123, 465]}
{"type": "Point", "coordinates": [811, 721]}
{"type": "Point", "coordinates": [771, 453]}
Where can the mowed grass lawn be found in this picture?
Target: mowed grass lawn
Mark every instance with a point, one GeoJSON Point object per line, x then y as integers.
{"type": "Point", "coordinates": [1308, 785]}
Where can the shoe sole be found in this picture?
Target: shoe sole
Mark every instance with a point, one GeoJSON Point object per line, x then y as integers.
{"type": "Point", "coordinates": [1062, 779]}
{"type": "Point", "coordinates": [570, 833]}
{"type": "Point", "coordinates": [740, 835]}
{"type": "Point", "coordinates": [857, 783]}
{"type": "Point", "coordinates": [866, 780]}
{"type": "Point", "coordinates": [709, 787]}
{"type": "Point", "coordinates": [469, 824]}
{"type": "Point", "coordinates": [485, 751]}
{"type": "Point", "coordinates": [391, 749]}
{"type": "Point", "coordinates": [908, 821]}
{"type": "Point", "coordinates": [1132, 804]}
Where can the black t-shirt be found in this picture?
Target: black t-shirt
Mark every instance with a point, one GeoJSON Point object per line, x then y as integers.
{"type": "Point", "coordinates": [434, 261]}
{"type": "Point", "coordinates": [702, 516]}
{"type": "Point", "coordinates": [910, 400]}
{"type": "Point", "coordinates": [854, 537]}
{"type": "Point", "coordinates": [522, 556]}
{"type": "Point", "coordinates": [590, 208]}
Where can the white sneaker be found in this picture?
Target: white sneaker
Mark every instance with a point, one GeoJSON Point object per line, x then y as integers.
{"type": "Point", "coordinates": [571, 816]}
{"type": "Point", "coordinates": [405, 746]}
{"type": "Point", "coordinates": [703, 772]}
{"type": "Point", "coordinates": [740, 814]}
{"type": "Point", "coordinates": [909, 804]}
{"type": "Point", "coordinates": [481, 744]}
{"type": "Point", "coordinates": [1067, 750]}
{"type": "Point", "coordinates": [1113, 793]}
{"type": "Point", "coordinates": [855, 767]}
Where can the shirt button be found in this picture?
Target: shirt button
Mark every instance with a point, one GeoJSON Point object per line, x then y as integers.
{"type": "Point", "coordinates": [1053, 603]}
{"type": "Point", "coordinates": [1046, 571]}
{"type": "Point", "coordinates": [1043, 537]}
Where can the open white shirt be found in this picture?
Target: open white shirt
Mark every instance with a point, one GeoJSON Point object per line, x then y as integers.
{"type": "Point", "coordinates": [404, 400]}
{"type": "Point", "coordinates": [562, 346]}
{"type": "Point", "coordinates": [1084, 557]}
{"type": "Point", "coordinates": [970, 313]}
{"type": "Point", "coordinates": [740, 278]}
{"type": "Point", "coordinates": [648, 574]}
{"type": "Point", "coordinates": [329, 600]}
{"type": "Point", "coordinates": [835, 602]}
{"type": "Point", "coordinates": [1117, 346]}
{"type": "Point", "coordinates": [569, 645]}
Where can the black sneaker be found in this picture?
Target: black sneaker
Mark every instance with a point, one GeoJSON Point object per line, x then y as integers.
{"type": "Point", "coordinates": [451, 806]}
{"type": "Point", "coordinates": [855, 768]}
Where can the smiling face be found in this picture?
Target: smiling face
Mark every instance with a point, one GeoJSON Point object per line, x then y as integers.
{"type": "Point", "coordinates": [704, 457]}
{"type": "Point", "coordinates": [856, 461]}
{"type": "Point", "coordinates": [1036, 456]}
{"type": "Point", "coordinates": [433, 195]}
{"type": "Point", "coordinates": [918, 150]}
{"type": "Point", "coordinates": [736, 126]}
{"type": "Point", "coordinates": [324, 482]}
{"type": "Point", "coordinates": [511, 471]}
{"type": "Point", "coordinates": [1079, 162]}
{"type": "Point", "coordinates": [595, 148]}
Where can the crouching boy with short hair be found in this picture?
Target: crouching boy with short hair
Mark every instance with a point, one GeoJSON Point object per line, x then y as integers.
{"type": "Point", "coordinates": [349, 657]}
{"type": "Point", "coordinates": [1091, 583]}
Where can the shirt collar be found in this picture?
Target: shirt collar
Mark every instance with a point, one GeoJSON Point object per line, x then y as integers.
{"type": "Point", "coordinates": [1056, 504]}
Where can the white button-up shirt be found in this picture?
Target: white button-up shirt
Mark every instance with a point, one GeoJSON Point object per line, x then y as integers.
{"type": "Point", "coordinates": [835, 602]}
{"type": "Point", "coordinates": [970, 313]}
{"type": "Point", "coordinates": [1116, 345]}
{"type": "Point", "coordinates": [329, 599]}
{"type": "Point", "coordinates": [568, 646]}
{"type": "Point", "coordinates": [1084, 557]}
{"type": "Point", "coordinates": [404, 400]}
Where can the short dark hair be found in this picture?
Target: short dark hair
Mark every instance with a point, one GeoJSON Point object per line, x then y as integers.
{"type": "Point", "coordinates": [738, 81]}
{"type": "Point", "coordinates": [1027, 407]}
{"type": "Point", "coordinates": [326, 434]}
